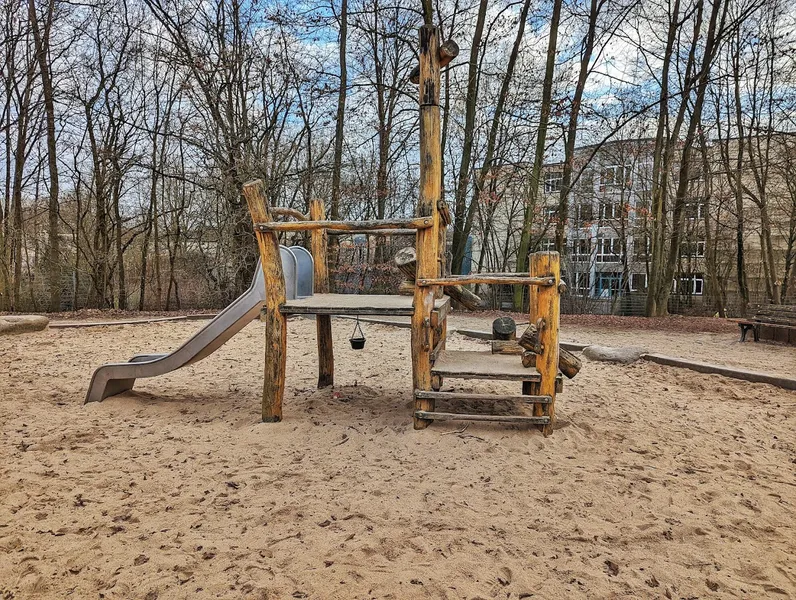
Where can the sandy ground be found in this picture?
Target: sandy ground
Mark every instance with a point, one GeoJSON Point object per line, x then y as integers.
{"type": "Point", "coordinates": [658, 483]}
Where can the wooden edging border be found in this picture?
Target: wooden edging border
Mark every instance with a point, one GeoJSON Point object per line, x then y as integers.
{"type": "Point", "coordinates": [732, 372]}
{"type": "Point", "coordinates": [70, 325]}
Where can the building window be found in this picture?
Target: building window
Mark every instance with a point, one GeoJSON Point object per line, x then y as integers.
{"type": "Point", "coordinates": [586, 181]}
{"type": "Point", "coordinates": [690, 285]}
{"type": "Point", "coordinates": [699, 285]}
{"type": "Point", "coordinates": [643, 208]}
{"type": "Point", "coordinates": [695, 210]}
{"type": "Point", "coordinates": [550, 212]}
{"type": "Point", "coordinates": [584, 213]}
{"type": "Point", "coordinates": [615, 176]}
{"type": "Point", "coordinates": [552, 181]}
{"type": "Point", "coordinates": [581, 249]}
{"type": "Point", "coordinates": [610, 210]}
{"type": "Point", "coordinates": [608, 250]}
{"type": "Point", "coordinates": [638, 282]}
{"type": "Point", "coordinates": [644, 176]}
{"type": "Point", "coordinates": [642, 247]}
{"type": "Point", "coordinates": [582, 284]}
{"type": "Point", "coordinates": [609, 285]}
{"type": "Point", "coordinates": [547, 245]}
{"type": "Point", "coordinates": [692, 249]}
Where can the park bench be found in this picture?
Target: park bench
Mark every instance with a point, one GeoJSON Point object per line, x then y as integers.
{"type": "Point", "coordinates": [771, 322]}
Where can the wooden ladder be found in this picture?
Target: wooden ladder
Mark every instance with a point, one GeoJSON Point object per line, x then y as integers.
{"type": "Point", "coordinates": [540, 379]}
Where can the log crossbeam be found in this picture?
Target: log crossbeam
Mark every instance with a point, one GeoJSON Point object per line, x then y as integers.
{"type": "Point", "coordinates": [500, 278]}
{"type": "Point", "coordinates": [385, 232]}
{"type": "Point", "coordinates": [354, 226]}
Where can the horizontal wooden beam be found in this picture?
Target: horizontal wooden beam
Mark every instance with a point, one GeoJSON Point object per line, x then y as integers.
{"type": "Point", "coordinates": [440, 416]}
{"type": "Point", "coordinates": [487, 278]}
{"type": "Point", "coordinates": [289, 212]}
{"type": "Point", "coordinates": [482, 397]}
{"type": "Point", "coordinates": [377, 232]}
{"type": "Point", "coordinates": [356, 226]}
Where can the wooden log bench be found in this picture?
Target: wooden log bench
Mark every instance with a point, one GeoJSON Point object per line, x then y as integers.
{"type": "Point", "coordinates": [772, 322]}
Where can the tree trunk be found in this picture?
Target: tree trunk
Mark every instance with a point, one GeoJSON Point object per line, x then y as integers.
{"type": "Point", "coordinates": [718, 13]}
{"type": "Point", "coordinates": [42, 42]}
{"type": "Point", "coordinates": [494, 129]}
{"type": "Point", "coordinates": [462, 184]}
{"type": "Point", "coordinates": [572, 127]}
{"type": "Point", "coordinates": [538, 160]}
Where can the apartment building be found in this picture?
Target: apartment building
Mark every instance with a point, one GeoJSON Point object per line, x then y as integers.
{"type": "Point", "coordinates": [608, 225]}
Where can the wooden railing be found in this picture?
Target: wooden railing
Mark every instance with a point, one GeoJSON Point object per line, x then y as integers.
{"type": "Point", "coordinates": [355, 226]}
{"type": "Point", "coordinates": [499, 278]}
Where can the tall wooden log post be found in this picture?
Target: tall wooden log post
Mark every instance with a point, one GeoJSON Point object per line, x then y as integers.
{"type": "Point", "coordinates": [275, 322]}
{"type": "Point", "coordinates": [323, 323]}
{"type": "Point", "coordinates": [545, 312]}
{"type": "Point", "coordinates": [430, 194]}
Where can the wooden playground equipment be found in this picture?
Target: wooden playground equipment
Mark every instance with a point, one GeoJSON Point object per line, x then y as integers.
{"type": "Point", "coordinates": [428, 306]}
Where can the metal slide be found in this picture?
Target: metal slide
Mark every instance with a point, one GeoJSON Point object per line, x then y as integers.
{"type": "Point", "coordinates": [115, 378]}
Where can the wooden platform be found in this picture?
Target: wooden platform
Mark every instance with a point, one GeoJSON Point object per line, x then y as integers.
{"type": "Point", "coordinates": [469, 364]}
{"type": "Point", "coordinates": [353, 304]}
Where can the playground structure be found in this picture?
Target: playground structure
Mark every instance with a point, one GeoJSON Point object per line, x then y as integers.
{"type": "Point", "coordinates": [428, 306]}
{"type": "Point", "coordinates": [293, 281]}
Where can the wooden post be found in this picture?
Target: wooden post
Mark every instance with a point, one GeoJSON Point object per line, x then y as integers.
{"type": "Point", "coordinates": [545, 313]}
{"type": "Point", "coordinates": [275, 322]}
{"type": "Point", "coordinates": [323, 323]}
{"type": "Point", "coordinates": [427, 239]}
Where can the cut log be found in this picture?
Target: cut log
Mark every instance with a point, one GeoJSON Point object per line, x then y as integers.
{"type": "Point", "coordinates": [568, 363]}
{"type": "Point", "coordinates": [444, 213]}
{"type": "Point", "coordinates": [507, 347]}
{"type": "Point", "coordinates": [504, 328]}
{"type": "Point", "coordinates": [406, 261]}
{"type": "Point", "coordinates": [530, 339]}
{"type": "Point", "coordinates": [407, 288]}
{"type": "Point", "coordinates": [282, 211]}
{"type": "Point", "coordinates": [447, 52]}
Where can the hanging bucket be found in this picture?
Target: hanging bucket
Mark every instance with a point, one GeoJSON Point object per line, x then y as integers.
{"type": "Point", "coordinates": [357, 337]}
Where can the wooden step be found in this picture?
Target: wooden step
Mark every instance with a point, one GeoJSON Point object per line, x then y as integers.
{"type": "Point", "coordinates": [424, 395]}
{"type": "Point", "coordinates": [441, 416]}
{"type": "Point", "coordinates": [470, 364]}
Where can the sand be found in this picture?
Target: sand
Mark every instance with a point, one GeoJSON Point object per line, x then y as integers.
{"type": "Point", "coordinates": [658, 482]}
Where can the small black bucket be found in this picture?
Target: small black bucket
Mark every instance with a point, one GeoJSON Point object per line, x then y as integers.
{"type": "Point", "coordinates": [357, 341]}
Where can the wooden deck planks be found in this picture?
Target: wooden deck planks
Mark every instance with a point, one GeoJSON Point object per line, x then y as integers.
{"type": "Point", "coordinates": [353, 304]}
{"type": "Point", "coordinates": [473, 364]}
